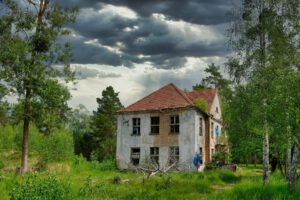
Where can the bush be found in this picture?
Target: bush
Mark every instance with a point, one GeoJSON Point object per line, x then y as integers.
{"type": "Point", "coordinates": [7, 138]}
{"type": "Point", "coordinates": [57, 147]}
{"type": "Point", "coordinates": [36, 187]}
{"type": "Point", "coordinates": [35, 138]}
{"type": "Point", "coordinates": [201, 104]}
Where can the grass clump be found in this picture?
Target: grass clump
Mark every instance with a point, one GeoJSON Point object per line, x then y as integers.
{"type": "Point", "coordinates": [34, 187]}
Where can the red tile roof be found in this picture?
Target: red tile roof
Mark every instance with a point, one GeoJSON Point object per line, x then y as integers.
{"type": "Point", "coordinates": [206, 94]}
{"type": "Point", "coordinates": [168, 97]}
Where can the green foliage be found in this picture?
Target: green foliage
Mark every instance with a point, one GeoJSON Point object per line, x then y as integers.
{"type": "Point", "coordinates": [1, 164]}
{"type": "Point", "coordinates": [57, 147]}
{"type": "Point", "coordinates": [79, 125]}
{"type": "Point", "coordinates": [36, 187]}
{"type": "Point", "coordinates": [102, 138]}
{"type": "Point", "coordinates": [201, 104]}
{"type": "Point", "coordinates": [29, 55]}
{"type": "Point", "coordinates": [221, 158]}
{"type": "Point", "coordinates": [199, 86]}
{"type": "Point", "coordinates": [11, 138]}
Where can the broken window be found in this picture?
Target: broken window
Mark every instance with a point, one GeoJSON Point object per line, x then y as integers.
{"type": "Point", "coordinates": [154, 125]}
{"type": "Point", "coordinates": [136, 126]}
{"type": "Point", "coordinates": [174, 124]}
{"type": "Point", "coordinates": [200, 126]}
{"type": "Point", "coordinates": [154, 155]}
{"type": "Point", "coordinates": [212, 129]}
{"type": "Point", "coordinates": [135, 156]}
{"type": "Point", "coordinates": [174, 155]}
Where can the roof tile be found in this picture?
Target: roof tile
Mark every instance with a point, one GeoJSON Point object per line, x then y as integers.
{"type": "Point", "coordinates": [168, 97]}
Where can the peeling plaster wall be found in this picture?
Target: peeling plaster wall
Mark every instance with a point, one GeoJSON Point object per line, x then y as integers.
{"type": "Point", "coordinates": [188, 139]}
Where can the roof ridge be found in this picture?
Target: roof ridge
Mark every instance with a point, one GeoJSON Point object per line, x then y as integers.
{"type": "Point", "coordinates": [182, 93]}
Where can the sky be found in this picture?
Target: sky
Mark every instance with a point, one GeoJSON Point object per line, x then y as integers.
{"type": "Point", "coordinates": [138, 46]}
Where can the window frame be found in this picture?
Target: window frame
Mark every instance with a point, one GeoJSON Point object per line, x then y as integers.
{"type": "Point", "coordinates": [200, 126]}
{"type": "Point", "coordinates": [174, 154]}
{"type": "Point", "coordinates": [154, 155]}
{"type": "Point", "coordinates": [133, 154]}
{"type": "Point", "coordinates": [156, 126]}
{"type": "Point", "coordinates": [136, 124]}
{"type": "Point", "coordinates": [174, 124]}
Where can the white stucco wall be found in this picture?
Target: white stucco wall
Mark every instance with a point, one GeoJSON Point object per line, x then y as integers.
{"type": "Point", "coordinates": [188, 139]}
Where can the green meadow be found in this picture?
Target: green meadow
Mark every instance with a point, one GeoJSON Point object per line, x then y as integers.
{"type": "Point", "coordinates": [80, 179]}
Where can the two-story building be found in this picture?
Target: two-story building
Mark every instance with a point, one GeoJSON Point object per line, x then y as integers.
{"type": "Point", "coordinates": [167, 126]}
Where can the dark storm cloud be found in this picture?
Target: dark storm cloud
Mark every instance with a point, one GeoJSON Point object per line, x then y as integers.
{"type": "Point", "coordinates": [145, 38]}
{"type": "Point", "coordinates": [194, 11]}
{"type": "Point", "coordinates": [84, 73]}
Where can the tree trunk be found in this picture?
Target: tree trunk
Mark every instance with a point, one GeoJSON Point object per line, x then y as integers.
{"type": "Point", "coordinates": [26, 121]}
{"type": "Point", "coordinates": [293, 168]}
{"type": "Point", "coordinates": [266, 172]}
{"type": "Point", "coordinates": [288, 153]}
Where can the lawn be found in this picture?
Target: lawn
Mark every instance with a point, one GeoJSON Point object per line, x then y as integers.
{"type": "Point", "coordinates": [79, 179]}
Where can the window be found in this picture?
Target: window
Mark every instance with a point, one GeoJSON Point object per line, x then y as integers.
{"type": "Point", "coordinates": [136, 126]}
{"type": "Point", "coordinates": [212, 129]}
{"type": "Point", "coordinates": [200, 126]}
{"type": "Point", "coordinates": [135, 156]}
{"type": "Point", "coordinates": [200, 151]}
{"type": "Point", "coordinates": [212, 152]}
{"type": "Point", "coordinates": [174, 124]}
{"type": "Point", "coordinates": [154, 125]}
{"type": "Point", "coordinates": [217, 110]}
{"type": "Point", "coordinates": [154, 155]}
{"type": "Point", "coordinates": [174, 155]}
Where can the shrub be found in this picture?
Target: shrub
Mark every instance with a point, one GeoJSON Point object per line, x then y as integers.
{"type": "Point", "coordinates": [201, 104]}
{"type": "Point", "coordinates": [57, 146]}
{"type": "Point", "coordinates": [7, 138]}
{"type": "Point", "coordinates": [36, 187]}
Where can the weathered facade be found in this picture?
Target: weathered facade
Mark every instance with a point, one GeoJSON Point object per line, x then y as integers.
{"type": "Point", "coordinates": [167, 126]}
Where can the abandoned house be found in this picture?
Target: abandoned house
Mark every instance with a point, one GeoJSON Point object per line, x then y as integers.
{"type": "Point", "coordinates": [169, 126]}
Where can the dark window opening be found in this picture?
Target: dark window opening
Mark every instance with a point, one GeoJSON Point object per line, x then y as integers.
{"type": "Point", "coordinates": [200, 126]}
{"type": "Point", "coordinates": [154, 125]}
{"type": "Point", "coordinates": [212, 129]}
{"type": "Point", "coordinates": [135, 156]}
{"type": "Point", "coordinates": [174, 155]}
{"type": "Point", "coordinates": [154, 155]}
{"type": "Point", "coordinates": [136, 126]}
{"type": "Point", "coordinates": [174, 124]}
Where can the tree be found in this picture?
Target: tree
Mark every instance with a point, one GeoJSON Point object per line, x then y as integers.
{"type": "Point", "coordinates": [28, 53]}
{"type": "Point", "coordinates": [104, 125]}
{"type": "Point", "coordinates": [79, 124]}
{"type": "Point", "coordinates": [266, 41]}
{"type": "Point", "coordinates": [199, 86]}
